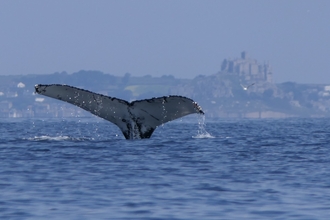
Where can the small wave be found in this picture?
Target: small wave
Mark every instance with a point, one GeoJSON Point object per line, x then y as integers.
{"type": "Point", "coordinates": [57, 138]}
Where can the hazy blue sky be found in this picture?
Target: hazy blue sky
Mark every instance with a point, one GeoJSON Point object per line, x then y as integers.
{"type": "Point", "coordinates": [184, 38]}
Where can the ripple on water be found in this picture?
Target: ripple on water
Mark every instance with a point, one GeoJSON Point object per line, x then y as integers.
{"type": "Point", "coordinates": [247, 169]}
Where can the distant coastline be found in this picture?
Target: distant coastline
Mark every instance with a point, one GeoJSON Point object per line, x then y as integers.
{"type": "Point", "coordinates": [220, 94]}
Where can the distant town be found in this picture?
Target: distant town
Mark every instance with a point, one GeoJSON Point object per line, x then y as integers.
{"type": "Point", "coordinates": [243, 88]}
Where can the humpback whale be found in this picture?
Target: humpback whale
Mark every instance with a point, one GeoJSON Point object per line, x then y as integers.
{"type": "Point", "coordinates": [136, 120]}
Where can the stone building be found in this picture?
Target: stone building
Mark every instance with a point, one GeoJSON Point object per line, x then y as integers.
{"type": "Point", "coordinates": [248, 69]}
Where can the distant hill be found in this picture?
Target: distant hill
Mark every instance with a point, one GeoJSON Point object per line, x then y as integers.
{"type": "Point", "coordinates": [222, 94]}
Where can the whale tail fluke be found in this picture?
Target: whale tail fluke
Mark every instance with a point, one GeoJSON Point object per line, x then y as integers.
{"type": "Point", "coordinates": [136, 120]}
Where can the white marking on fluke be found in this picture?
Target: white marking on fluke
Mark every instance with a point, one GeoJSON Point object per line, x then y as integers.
{"type": "Point", "coordinates": [136, 120]}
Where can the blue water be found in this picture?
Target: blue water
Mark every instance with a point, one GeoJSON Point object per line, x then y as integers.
{"type": "Point", "coordinates": [240, 169]}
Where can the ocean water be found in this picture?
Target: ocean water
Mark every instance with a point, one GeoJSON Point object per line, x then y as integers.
{"type": "Point", "coordinates": [189, 169]}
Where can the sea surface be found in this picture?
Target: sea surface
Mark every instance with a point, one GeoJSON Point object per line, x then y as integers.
{"type": "Point", "coordinates": [193, 168]}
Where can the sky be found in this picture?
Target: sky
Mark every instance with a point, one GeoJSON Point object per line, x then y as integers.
{"type": "Point", "coordinates": [183, 38]}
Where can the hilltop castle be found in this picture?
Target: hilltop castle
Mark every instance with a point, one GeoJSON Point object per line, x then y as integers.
{"type": "Point", "coordinates": [248, 69]}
